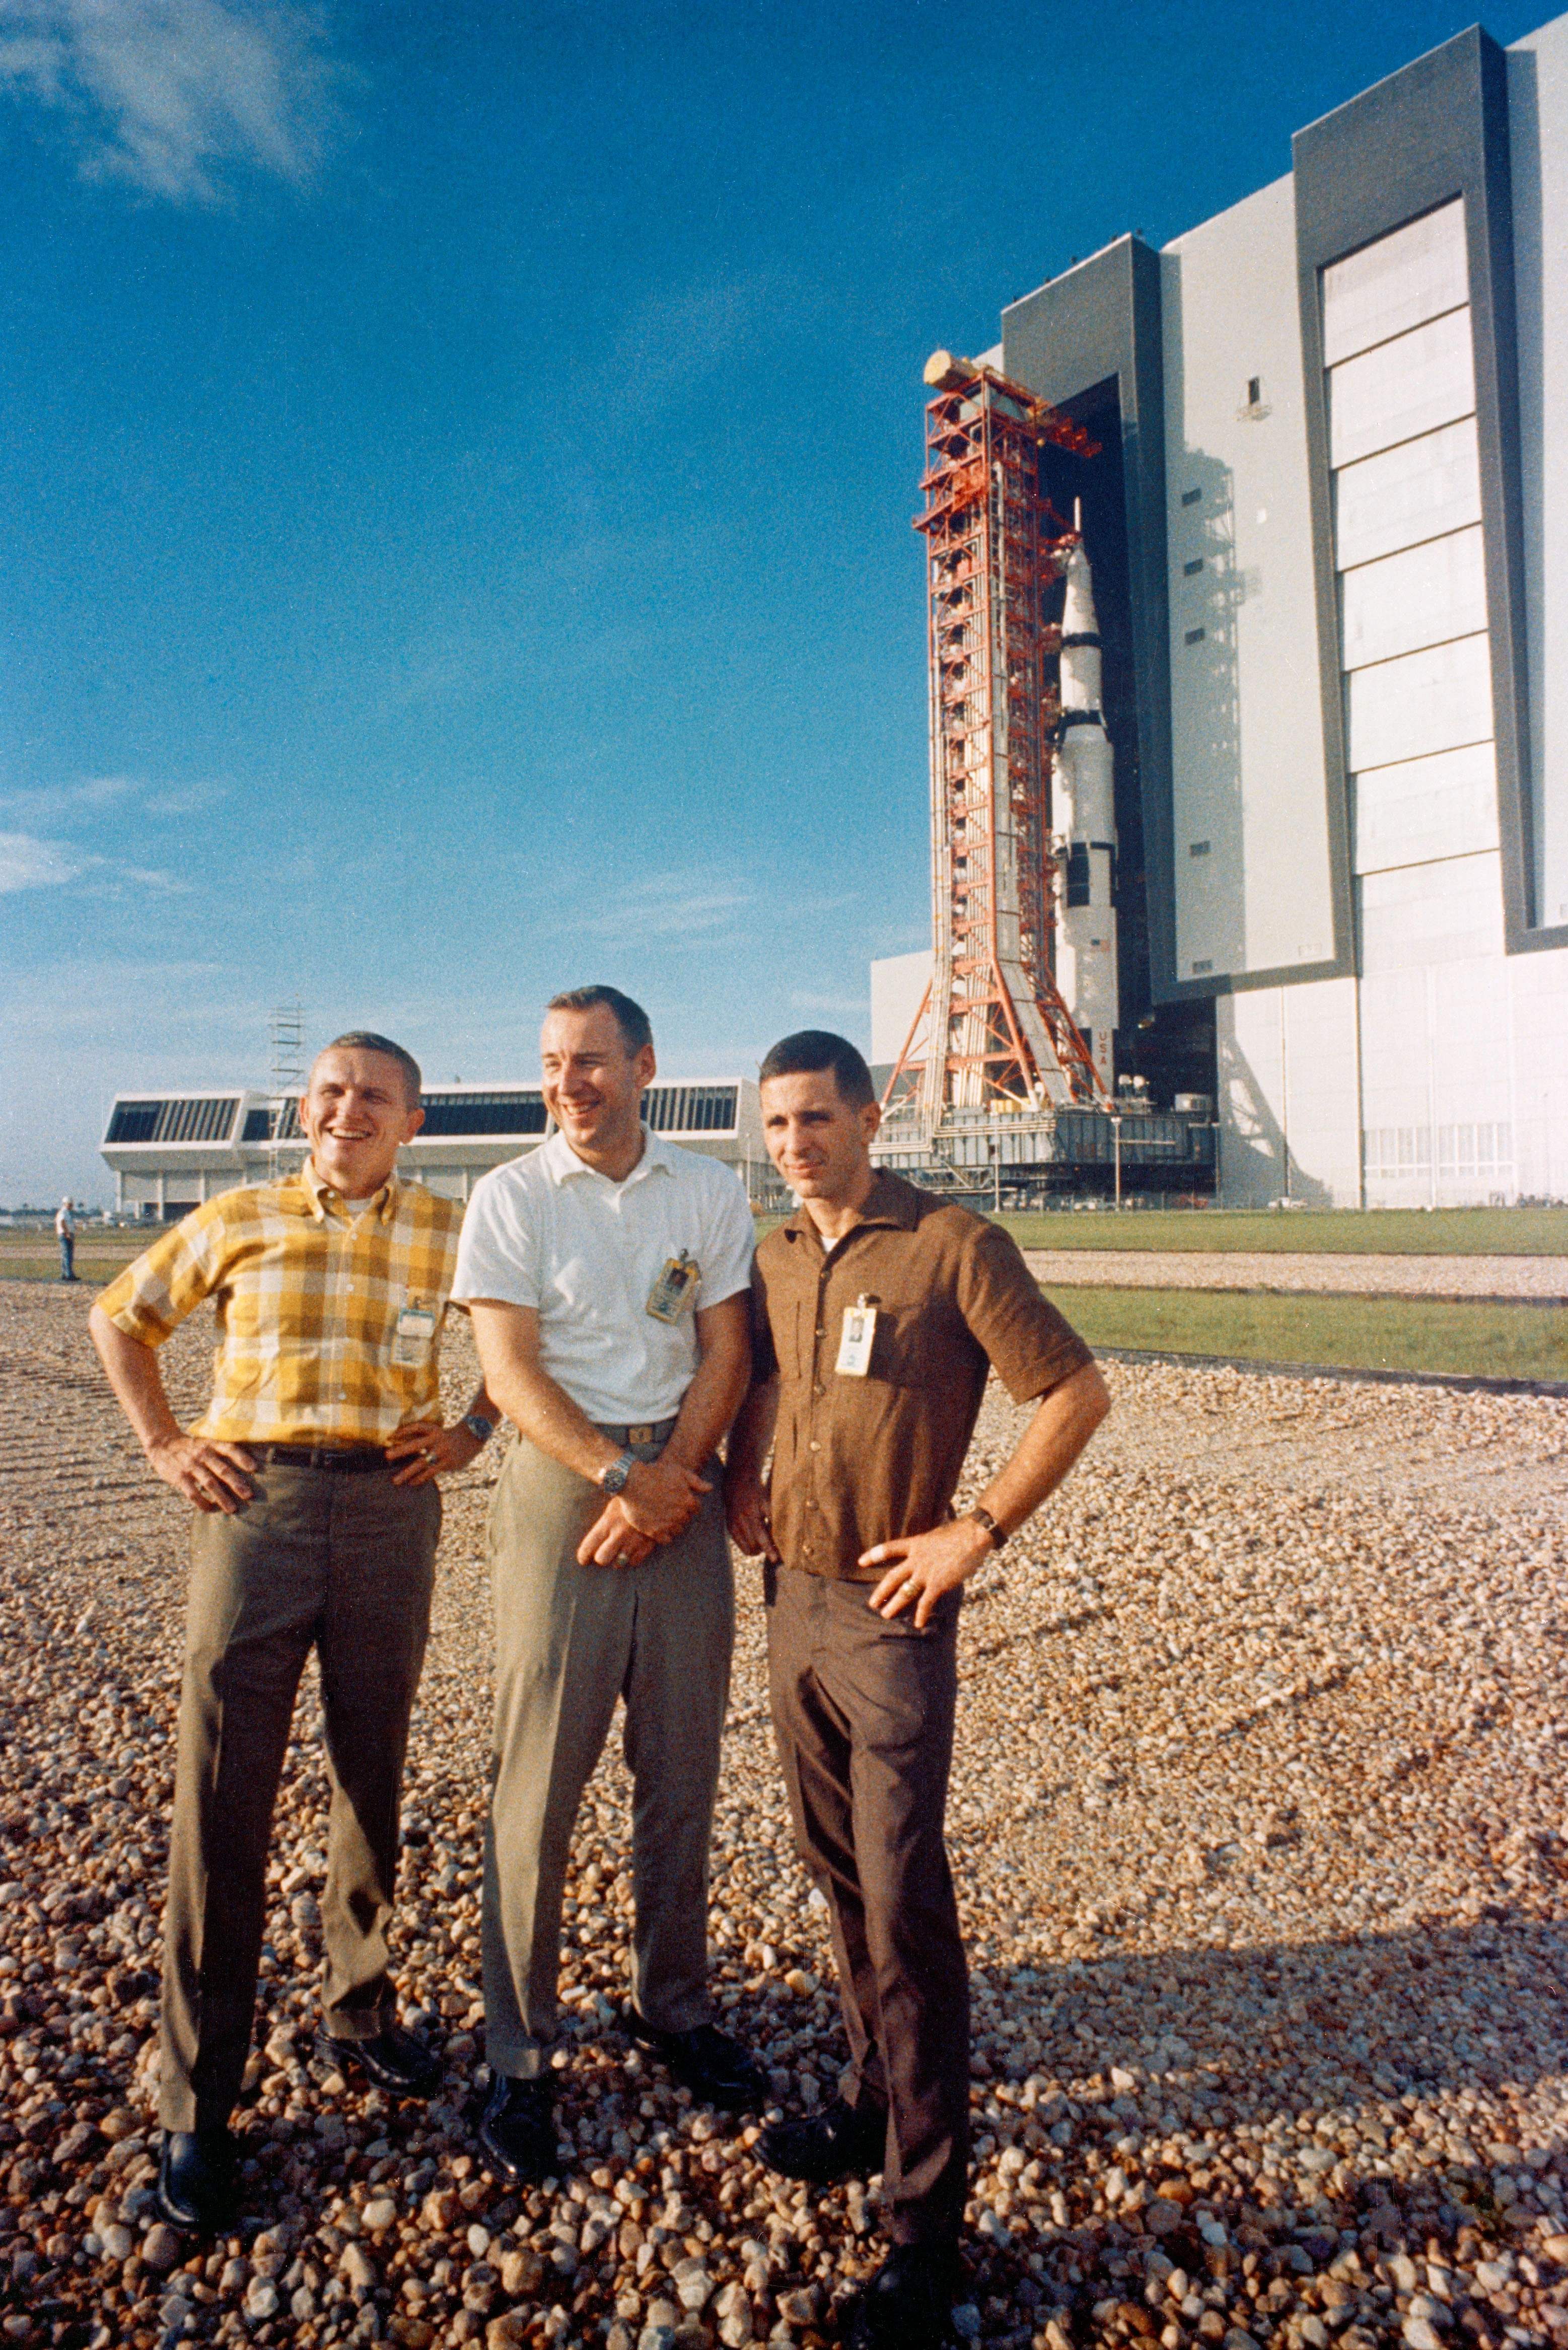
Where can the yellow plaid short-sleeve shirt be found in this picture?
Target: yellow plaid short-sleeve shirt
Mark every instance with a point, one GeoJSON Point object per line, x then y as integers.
{"type": "Point", "coordinates": [309, 1289]}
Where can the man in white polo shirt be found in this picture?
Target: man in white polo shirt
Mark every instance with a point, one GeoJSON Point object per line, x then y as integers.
{"type": "Point", "coordinates": [608, 1275]}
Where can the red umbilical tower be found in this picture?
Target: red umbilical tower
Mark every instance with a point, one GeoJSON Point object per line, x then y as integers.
{"type": "Point", "coordinates": [992, 1034]}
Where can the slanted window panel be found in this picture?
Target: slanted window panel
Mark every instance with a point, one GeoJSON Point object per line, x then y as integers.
{"type": "Point", "coordinates": [1403, 279]}
{"type": "Point", "coordinates": [522, 1112]}
{"type": "Point", "coordinates": [133, 1121]}
{"type": "Point", "coordinates": [182, 1120]}
{"type": "Point", "coordinates": [1402, 389]}
{"type": "Point", "coordinates": [1419, 490]}
{"type": "Point", "coordinates": [691, 1109]}
{"type": "Point", "coordinates": [1424, 594]}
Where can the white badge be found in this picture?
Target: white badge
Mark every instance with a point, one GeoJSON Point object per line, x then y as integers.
{"type": "Point", "coordinates": [673, 1291]}
{"type": "Point", "coordinates": [859, 1337]}
{"type": "Point", "coordinates": [415, 1337]}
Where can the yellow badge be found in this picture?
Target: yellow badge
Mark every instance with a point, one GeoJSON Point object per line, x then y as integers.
{"type": "Point", "coordinates": [673, 1291]}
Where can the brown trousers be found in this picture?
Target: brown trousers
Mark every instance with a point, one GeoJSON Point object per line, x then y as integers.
{"type": "Point", "coordinates": [863, 1710]}
{"type": "Point", "coordinates": [315, 1559]}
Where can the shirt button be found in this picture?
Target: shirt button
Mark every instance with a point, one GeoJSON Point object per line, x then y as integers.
{"type": "Point", "coordinates": [814, 1445]}
{"type": "Point", "coordinates": [819, 1389]}
{"type": "Point", "coordinates": [822, 1334]}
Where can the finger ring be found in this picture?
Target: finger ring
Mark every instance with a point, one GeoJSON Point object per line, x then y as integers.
{"type": "Point", "coordinates": [621, 1559]}
{"type": "Point", "coordinates": [427, 1456]}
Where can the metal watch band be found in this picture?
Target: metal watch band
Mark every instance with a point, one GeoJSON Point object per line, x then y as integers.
{"type": "Point", "coordinates": [478, 1426]}
{"type": "Point", "coordinates": [613, 1479]}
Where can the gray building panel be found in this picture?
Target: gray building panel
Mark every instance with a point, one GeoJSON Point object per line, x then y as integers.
{"type": "Point", "coordinates": [1436, 131]}
{"type": "Point", "coordinates": [1100, 322]}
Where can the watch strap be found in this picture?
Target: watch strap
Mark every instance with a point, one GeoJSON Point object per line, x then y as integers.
{"type": "Point", "coordinates": [985, 1519]}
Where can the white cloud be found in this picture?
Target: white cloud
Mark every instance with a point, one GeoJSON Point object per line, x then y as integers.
{"type": "Point", "coordinates": [164, 94]}
{"type": "Point", "coordinates": [61, 803]}
{"type": "Point", "coordinates": [29, 864]}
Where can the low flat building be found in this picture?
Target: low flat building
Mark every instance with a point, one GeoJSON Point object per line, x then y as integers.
{"type": "Point", "coordinates": [170, 1151]}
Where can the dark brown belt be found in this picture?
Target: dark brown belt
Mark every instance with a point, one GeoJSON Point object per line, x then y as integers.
{"type": "Point", "coordinates": [346, 1459]}
{"type": "Point", "coordinates": [636, 1431]}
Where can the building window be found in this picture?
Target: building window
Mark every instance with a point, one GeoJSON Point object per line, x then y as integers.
{"type": "Point", "coordinates": [1190, 497]}
{"type": "Point", "coordinates": [1196, 636]}
{"type": "Point", "coordinates": [1198, 849]}
{"type": "Point", "coordinates": [1199, 968]}
{"type": "Point", "coordinates": [1254, 390]}
{"type": "Point", "coordinates": [1191, 570]}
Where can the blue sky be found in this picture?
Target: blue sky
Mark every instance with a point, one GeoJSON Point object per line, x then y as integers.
{"type": "Point", "coordinates": [457, 483]}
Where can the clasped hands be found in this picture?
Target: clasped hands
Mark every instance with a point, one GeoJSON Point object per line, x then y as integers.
{"type": "Point", "coordinates": [658, 1502]}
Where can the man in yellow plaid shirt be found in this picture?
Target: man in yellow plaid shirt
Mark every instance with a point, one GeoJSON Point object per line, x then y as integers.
{"type": "Point", "coordinates": [313, 1475]}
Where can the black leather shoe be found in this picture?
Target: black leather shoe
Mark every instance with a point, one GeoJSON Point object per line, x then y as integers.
{"type": "Point", "coordinates": [394, 2061]}
{"type": "Point", "coordinates": [705, 2062]}
{"type": "Point", "coordinates": [908, 2303]}
{"type": "Point", "coordinates": [196, 2180]}
{"type": "Point", "coordinates": [841, 2142]}
{"type": "Point", "coordinates": [518, 2129]}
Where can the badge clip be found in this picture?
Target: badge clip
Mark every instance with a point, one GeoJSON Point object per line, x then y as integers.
{"type": "Point", "coordinates": [859, 1337]}
{"type": "Point", "coordinates": [675, 1288]}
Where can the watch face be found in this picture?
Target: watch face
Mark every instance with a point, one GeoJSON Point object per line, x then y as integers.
{"type": "Point", "coordinates": [614, 1478]}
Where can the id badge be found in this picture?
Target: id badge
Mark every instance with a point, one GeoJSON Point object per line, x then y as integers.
{"type": "Point", "coordinates": [415, 1337]}
{"type": "Point", "coordinates": [673, 1291]}
{"type": "Point", "coordinates": [859, 1335]}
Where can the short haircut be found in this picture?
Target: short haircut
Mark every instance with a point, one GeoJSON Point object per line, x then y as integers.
{"type": "Point", "coordinates": [812, 1050]}
{"type": "Point", "coordinates": [365, 1040]}
{"type": "Point", "coordinates": [636, 1028]}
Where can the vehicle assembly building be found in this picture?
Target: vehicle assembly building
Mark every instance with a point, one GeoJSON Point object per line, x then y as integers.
{"type": "Point", "coordinates": [1250, 683]}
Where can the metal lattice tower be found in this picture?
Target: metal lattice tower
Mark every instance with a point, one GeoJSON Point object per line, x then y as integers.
{"type": "Point", "coordinates": [994, 1035]}
{"type": "Point", "coordinates": [286, 1081]}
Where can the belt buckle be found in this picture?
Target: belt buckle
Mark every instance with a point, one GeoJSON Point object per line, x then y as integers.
{"type": "Point", "coordinates": [641, 1434]}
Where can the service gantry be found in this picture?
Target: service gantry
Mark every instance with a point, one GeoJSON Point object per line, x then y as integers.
{"type": "Point", "coordinates": [993, 1040]}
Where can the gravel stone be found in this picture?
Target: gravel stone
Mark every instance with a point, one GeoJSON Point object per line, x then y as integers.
{"type": "Point", "coordinates": [1257, 1823]}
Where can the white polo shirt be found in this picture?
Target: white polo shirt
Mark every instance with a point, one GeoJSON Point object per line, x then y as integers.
{"type": "Point", "coordinates": [548, 1232]}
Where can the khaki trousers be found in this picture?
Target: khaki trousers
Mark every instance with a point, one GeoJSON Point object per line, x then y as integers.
{"type": "Point", "coordinates": [569, 1640]}
{"type": "Point", "coordinates": [863, 1710]}
{"type": "Point", "coordinates": [315, 1559]}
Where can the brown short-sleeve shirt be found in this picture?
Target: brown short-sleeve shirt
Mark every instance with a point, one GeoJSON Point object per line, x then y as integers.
{"type": "Point", "coordinates": [862, 1461]}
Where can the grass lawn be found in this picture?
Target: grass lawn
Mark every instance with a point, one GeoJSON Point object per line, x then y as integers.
{"type": "Point", "coordinates": [1384, 1232]}
{"type": "Point", "coordinates": [36, 1256]}
{"type": "Point", "coordinates": [1518, 1342]}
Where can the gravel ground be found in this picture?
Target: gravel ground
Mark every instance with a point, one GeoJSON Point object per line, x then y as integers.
{"type": "Point", "coordinates": [1259, 1831]}
{"type": "Point", "coordinates": [1489, 1277]}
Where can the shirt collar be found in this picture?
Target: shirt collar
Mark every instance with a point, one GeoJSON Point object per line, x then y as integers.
{"type": "Point", "coordinates": [890, 1201]}
{"type": "Point", "coordinates": [318, 1191]}
{"type": "Point", "coordinates": [561, 1161]}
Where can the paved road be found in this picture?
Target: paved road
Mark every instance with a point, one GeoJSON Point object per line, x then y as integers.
{"type": "Point", "coordinates": [1379, 1276]}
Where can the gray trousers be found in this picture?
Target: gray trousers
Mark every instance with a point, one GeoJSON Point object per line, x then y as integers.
{"type": "Point", "coordinates": [315, 1559]}
{"type": "Point", "coordinates": [863, 1711]}
{"type": "Point", "coordinates": [569, 1640]}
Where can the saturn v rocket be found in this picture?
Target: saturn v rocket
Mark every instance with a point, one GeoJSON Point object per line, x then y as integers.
{"type": "Point", "coordinates": [1083, 822]}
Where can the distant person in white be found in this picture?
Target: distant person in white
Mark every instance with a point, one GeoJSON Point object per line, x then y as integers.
{"type": "Point", "coordinates": [608, 1275]}
{"type": "Point", "coordinates": [66, 1233]}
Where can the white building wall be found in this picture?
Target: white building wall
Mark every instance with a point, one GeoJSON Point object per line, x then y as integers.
{"type": "Point", "coordinates": [898, 983]}
{"type": "Point", "coordinates": [1288, 1092]}
{"type": "Point", "coordinates": [1252, 886]}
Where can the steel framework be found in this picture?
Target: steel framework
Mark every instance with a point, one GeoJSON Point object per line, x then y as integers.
{"type": "Point", "coordinates": [993, 1036]}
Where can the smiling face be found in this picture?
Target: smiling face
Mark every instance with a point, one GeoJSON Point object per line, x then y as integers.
{"type": "Point", "coordinates": [819, 1143]}
{"type": "Point", "coordinates": [593, 1087]}
{"type": "Point", "coordinates": [357, 1112]}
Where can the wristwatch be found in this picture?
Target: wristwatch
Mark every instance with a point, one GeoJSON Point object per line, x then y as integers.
{"type": "Point", "coordinates": [993, 1530]}
{"type": "Point", "coordinates": [613, 1479]}
{"type": "Point", "coordinates": [478, 1426]}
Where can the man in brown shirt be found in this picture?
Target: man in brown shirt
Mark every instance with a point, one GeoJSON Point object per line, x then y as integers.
{"type": "Point", "coordinates": [880, 1311]}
